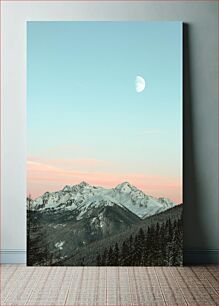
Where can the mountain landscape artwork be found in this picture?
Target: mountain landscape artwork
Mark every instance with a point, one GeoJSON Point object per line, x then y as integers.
{"type": "Point", "coordinates": [104, 128]}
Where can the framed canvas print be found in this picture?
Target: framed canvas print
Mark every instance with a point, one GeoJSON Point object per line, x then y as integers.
{"type": "Point", "coordinates": [104, 168]}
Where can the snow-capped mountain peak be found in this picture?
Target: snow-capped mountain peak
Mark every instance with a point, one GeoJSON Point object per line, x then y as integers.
{"type": "Point", "coordinates": [83, 184]}
{"type": "Point", "coordinates": [67, 188]}
{"type": "Point", "coordinates": [125, 187]}
{"type": "Point", "coordinates": [82, 198]}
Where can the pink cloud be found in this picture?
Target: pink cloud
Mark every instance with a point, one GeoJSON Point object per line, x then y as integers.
{"type": "Point", "coordinates": [44, 177]}
{"type": "Point", "coordinates": [77, 162]}
{"type": "Point", "coordinates": [71, 163]}
{"type": "Point", "coordinates": [64, 150]}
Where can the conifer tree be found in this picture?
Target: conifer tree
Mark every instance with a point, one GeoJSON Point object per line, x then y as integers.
{"type": "Point", "coordinates": [104, 257]}
{"type": "Point", "coordinates": [124, 254]}
{"type": "Point", "coordinates": [116, 255]}
{"type": "Point", "coordinates": [110, 257]}
{"type": "Point", "coordinates": [98, 260]}
{"type": "Point", "coordinates": [141, 241]}
{"type": "Point", "coordinates": [131, 251]}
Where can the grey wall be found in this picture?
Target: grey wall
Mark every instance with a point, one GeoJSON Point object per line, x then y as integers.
{"type": "Point", "coordinates": [200, 110]}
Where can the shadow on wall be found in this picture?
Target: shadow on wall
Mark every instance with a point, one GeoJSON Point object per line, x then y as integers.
{"type": "Point", "coordinates": [193, 228]}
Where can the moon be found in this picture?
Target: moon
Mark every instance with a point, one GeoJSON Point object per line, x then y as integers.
{"type": "Point", "coordinates": [139, 84]}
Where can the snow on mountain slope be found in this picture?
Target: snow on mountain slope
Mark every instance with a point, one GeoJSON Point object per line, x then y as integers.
{"type": "Point", "coordinates": [82, 198]}
{"type": "Point", "coordinates": [140, 204]}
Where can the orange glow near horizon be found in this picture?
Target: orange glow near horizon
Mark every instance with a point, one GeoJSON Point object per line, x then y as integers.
{"type": "Point", "coordinates": [42, 177]}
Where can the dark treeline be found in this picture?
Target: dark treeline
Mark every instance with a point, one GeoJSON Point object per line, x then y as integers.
{"type": "Point", "coordinates": [155, 241]}
{"type": "Point", "coordinates": [36, 251]}
{"type": "Point", "coordinates": [39, 252]}
{"type": "Point", "coordinates": [159, 245]}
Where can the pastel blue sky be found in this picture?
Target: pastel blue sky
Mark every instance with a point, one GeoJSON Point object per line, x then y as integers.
{"type": "Point", "coordinates": [82, 103]}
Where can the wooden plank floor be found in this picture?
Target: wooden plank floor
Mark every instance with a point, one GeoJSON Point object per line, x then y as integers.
{"type": "Point", "coordinates": [124, 286]}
